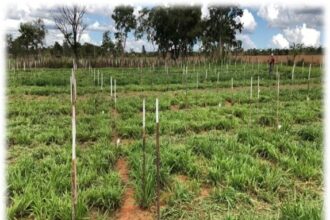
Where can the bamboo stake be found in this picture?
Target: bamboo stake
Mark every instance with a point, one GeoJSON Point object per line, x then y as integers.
{"type": "Point", "coordinates": [157, 161]}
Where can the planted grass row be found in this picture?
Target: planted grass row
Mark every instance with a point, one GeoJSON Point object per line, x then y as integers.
{"type": "Point", "coordinates": [39, 182]}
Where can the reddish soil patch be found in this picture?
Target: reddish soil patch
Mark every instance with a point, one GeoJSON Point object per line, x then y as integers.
{"type": "Point", "coordinates": [205, 191]}
{"type": "Point", "coordinates": [228, 103]}
{"type": "Point", "coordinates": [127, 141]}
{"type": "Point", "coordinates": [182, 178]}
{"type": "Point", "coordinates": [129, 210]}
{"type": "Point", "coordinates": [175, 108]}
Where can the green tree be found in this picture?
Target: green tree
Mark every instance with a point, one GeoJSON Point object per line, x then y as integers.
{"type": "Point", "coordinates": [32, 35]}
{"type": "Point", "coordinates": [67, 51]}
{"type": "Point", "coordinates": [125, 22]}
{"type": "Point", "coordinates": [9, 42]}
{"type": "Point", "coordinates": [57, 50]}
{"type": "Point", "coordinates": [295, 49]}
{"type": "Point", "coordinates": [220, 28]}
{"type": "Point", "coordinates": [173, 29]}
{"type": "Point", "coordinates": [107, 44]}
{"type": "Point", "coordinates": [118, 48]}
{"type": "Point", "coordinates": [143, 51]}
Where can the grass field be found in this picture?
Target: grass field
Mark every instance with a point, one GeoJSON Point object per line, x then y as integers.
{"type": "Point", "coordinates": [222, 154]}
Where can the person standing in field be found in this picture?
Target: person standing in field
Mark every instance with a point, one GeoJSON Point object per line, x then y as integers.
{"type": "Point", "coordinates": [271, 63]}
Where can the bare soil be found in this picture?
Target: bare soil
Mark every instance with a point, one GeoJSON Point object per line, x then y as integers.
{"type": "Point", "coordinates": [129, 209]}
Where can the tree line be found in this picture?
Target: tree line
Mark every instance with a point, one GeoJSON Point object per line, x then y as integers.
{"type": "Point", "coordinates": [177, 32]}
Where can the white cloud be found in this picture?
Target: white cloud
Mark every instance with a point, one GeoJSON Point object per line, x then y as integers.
{"type": "Point", "coordinates": [299, 34]}
{"type": "Point", "coordinates": [247, 43]}
{"type": "Point", "coordinates": [270, 12]}
{"type": "Point", "coordinates": [282, 16]}
{"type": "Point", "coordinates": [136, 11]}
{"type": "Point", "coordinates": [85, 38]}
{"type": "Point", "coordinates": [136, 45]}
{"type": "Point", "coordinates": [280, 42]}
{"type": "Point", "coordinates": [96, 26]}
{"type": "Point", "coordinates": [304, 35]}
{"type": "Point", "coordinates": [205, 11]}
{"type": "Point", "coordinates": [247, 19]}
{"type": "Point", "coordinates": [52, 36]}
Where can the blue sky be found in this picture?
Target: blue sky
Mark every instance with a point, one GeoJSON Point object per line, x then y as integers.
{"type": "Point", "coordinates": [262, 33]}
{"type": "Point", "coordinates": [266, 26]}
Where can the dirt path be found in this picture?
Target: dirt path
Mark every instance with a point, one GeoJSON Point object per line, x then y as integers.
{"type": "Point", "coordinates": [129, 209]}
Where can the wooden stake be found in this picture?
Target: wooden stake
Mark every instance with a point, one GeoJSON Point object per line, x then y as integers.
{"type": "Point", "coordinates": [197, 79]}
{"type": "Point", "coordinates": [144, 147]}
{"type": "Point", "coordinates": [258, 65]}
{"type": "Point", "coordinates": [250, 122]}
{"type": "Point", "coordinates": [309, 78]}
{"type": "Point", "coordinates": [74, 163]}
{"type": "Point", "coordinates": [232, 91]}
{"type": "Point", "coordinates": [101, 81]}
{"type": "Point", "coordinates": [292, 73]}
{"type": "Point", "coordinates": [157, 162]}
{"type": "Point", "coordinates": [98, 77]}
{"type": "Point", "coordinates": [258, 89]}
{"type": "Point", "coordinates": [292, 77]}
{"type": "Point", "coordinates": [278, 102]}
{"type": "Point", "coordinates": [111, 86]}
{"type": "Point", "coordinates": [251, 88]}
{"type": "Point", "coordinates": [94, 75]}
{"type": "Point", "coordinates": [115, 91]}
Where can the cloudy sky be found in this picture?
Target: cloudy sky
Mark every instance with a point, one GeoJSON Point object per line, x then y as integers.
{"type": "Point", "coordinates": [266, 26]}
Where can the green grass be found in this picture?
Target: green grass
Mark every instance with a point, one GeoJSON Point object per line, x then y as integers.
{"type": "Point", "coordinates": [251, 169]}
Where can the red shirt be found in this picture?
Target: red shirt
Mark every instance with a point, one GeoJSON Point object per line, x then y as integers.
{"type": "Point", "coordinates": [271, 60]}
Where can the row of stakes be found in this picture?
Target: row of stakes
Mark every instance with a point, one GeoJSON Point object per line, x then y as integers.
{"type": "Point", "coordinates": [113, 93]}
{"type": "Point", "coordinates": [74, 184]}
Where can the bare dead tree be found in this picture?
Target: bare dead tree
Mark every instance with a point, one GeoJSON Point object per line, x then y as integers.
{"type": "Point", "coordinates": [69, 20]}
